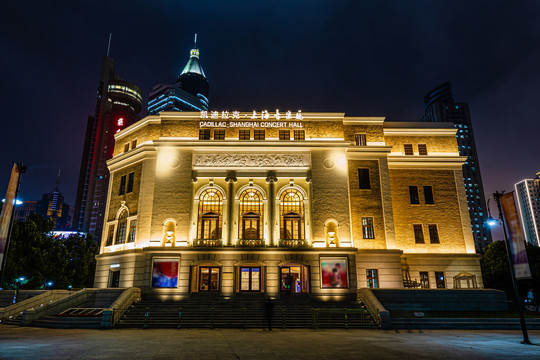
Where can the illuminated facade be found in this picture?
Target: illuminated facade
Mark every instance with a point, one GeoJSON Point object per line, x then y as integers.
{"type": "Point", "coordinates": [189, 93]}
{"type": "Point", "coordinates": [528, 198]}
{"type": "Point", "coordinates": [440, 107]}
{"type": "Point", "coordinates": [118, 104]}
{"type": "Point", "coordinates": [277, 202]}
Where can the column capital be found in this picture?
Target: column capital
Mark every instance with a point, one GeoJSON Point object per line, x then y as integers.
{"type": "Point", "coordinates": [231, 177]}
{"type": "Point", "coordinates": [271, 179]}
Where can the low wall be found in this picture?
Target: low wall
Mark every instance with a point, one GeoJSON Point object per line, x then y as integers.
{"type": "Point", "coordinates": [442, 299]}
{"type": "Point", "coordinates": [6, 296]}
{"type": "Point", "coordinates": [39, 300]}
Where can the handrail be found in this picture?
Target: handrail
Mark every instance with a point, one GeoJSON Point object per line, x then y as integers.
{"type": "Point", "coordinates": [31, 303]}
{"type": "Point", "coordinates": [120, 305]}
{"type": "Point", "coordinates": [377, 310]}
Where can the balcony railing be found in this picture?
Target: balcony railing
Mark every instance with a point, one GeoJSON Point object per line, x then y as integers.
{"type": "Point", "coordinates": [208, 242]}
{"type": "Point", "coordinates": [250, 242]}
{"type": "Point", "coordinates": [297, 243]}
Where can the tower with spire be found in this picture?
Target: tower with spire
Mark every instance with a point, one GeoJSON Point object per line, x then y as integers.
{"type": "Point", "coordinates": [189, 93]}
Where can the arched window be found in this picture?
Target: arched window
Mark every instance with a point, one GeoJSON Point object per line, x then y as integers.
{"type": "Point", "coordinates": [122, 226]}
{"type": "Point", "coordinates": [292, 215]}
{"type": "Point", "coordinates": [251, 215]}
{"type": "Point", "coordinates": [210, 214]}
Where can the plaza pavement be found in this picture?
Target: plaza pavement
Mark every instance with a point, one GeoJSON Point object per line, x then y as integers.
{"type": "Point", "coordinates": [38, 343]}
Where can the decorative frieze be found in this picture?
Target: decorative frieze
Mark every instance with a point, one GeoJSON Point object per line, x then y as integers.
{"type": "Point", "coordinates": [251, 160]}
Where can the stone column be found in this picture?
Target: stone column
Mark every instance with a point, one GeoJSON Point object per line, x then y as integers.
{"type": "Point", "coordinates": [271, 180]}
{"type": "Point", "coordinates": [230, 179]}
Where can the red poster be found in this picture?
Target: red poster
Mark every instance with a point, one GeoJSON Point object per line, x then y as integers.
{"type": "Point", "coordinates": [7, 210]}
{"type": "Point", "coordinates": [517, 240]}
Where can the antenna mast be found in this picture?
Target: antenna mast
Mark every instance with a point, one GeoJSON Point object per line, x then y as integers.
{"type": "Point", "coordinates": [195, 41]}
{"type": "Point", "coordinates": [110, 38]}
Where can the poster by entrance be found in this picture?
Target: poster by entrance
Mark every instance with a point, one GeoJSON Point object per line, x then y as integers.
{"type": "Point", "coordinates": [165, 273]}
{"type": "Point", "coordinates": [334, 272]}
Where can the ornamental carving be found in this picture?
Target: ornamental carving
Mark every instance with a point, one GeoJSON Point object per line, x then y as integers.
{"type": "Point", "coordinates": [250, 160]}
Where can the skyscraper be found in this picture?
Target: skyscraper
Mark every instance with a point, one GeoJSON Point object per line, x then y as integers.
{"type": "Point", "coordinates": [440, 107]}
{"type": "Point", "coordinates": [528, 197]}
{"type": "Point", "coordinates": [189, 93]}
{"type": "Point", "coordinates": [118, 105]}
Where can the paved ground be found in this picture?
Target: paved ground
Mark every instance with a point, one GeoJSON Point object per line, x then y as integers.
{"type": "Point", "coordinates": [36, 343]}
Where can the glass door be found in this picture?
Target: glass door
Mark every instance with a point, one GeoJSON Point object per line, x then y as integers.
{"type": "Point", "coordinates": [208, 278]}
{"type": "Point", "coordinates": [292, 280]}
{"type": "Point", "coordinates": [250, 279]}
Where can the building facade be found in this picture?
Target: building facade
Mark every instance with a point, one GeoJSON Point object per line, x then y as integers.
{"type": "Point", "coordinates": [528, 198]}
{"type": "Point", "coordinates": [314, 203]}
{"type": "Point", "coordinates": [118, 104]}
{"type": "Point", "coordinates": [441, 107]}
{"type": "Point", "coordinates": [189, 93]}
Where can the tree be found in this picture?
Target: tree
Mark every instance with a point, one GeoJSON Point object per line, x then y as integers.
{"type": "Point", "coordinates": [496, 270]}
{"type": "Point", "coordinates": [34, 253]}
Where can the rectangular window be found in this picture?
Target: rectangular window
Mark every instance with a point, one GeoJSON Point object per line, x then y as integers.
{"type": "Point", "coordinates": [360, 139]}
{"type": "Point", "coordinates": [408, 149]}
{"type": "Point", "coordinates": [363, 179]}
{"type": "Point", "coordinates": [284, 134]}
{"type": "Point", "coordinates": [424, 279]}
{"type": "Point", "coordinates": [372, 278]}
{"type": "Point", "coordinates": [413, 193]}
{"type": "Point", "coordinates": [131, 176]}
{"type": "Point", "coordinates": [428, 195]}
{"type": "Point", "coordinates": [259, 134]}
{"type": "Point", "coordinates": [126, 147]}
{"type": "Point", "coordinates": [244, 134]}
{"type": "Point", "coordinates": [110, 236]}
{"type": "Point", "coordinates": [418, 234]}
{"type": "Point", "coordinates": [299, 135]}
{"type": "Point", "coordinates": [439, 279]}
{"type": "Point", "coordinates": [422, 149]}
{"type": "Point", "coordinates": [204, 134]}
{"type": "Point", "coordinates": [122, 189]}
{"type": "Point", "coordinates": [367, 228]}
{"type": "Point", "coordinates": [133, 144]}
{"type": "Point", "coordinates": [433, 234]}
{"type": "Point", "coordinates": [132, 228]}
{"type": "Point", "coordinates": [219, 134]}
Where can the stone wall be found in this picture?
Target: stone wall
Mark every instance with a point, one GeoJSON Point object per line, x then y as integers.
{"type": "Point", "coordinates": [366, 203]}
{"type": "Point", "coordinates": [445, 212]}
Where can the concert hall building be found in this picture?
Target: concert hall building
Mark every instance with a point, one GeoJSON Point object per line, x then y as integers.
{"type": "Point", "coordinates": [294, 202]}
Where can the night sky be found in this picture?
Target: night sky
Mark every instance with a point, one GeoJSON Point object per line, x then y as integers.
{"type": "Point", "coordinates": [364, 58]}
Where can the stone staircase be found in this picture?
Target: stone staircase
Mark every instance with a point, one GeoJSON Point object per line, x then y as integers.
{"type": "Point", "coordinates": [245, 311]}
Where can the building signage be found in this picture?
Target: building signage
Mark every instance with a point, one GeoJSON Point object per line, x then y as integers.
{"type": "Point", "coordinates": [275, 120]}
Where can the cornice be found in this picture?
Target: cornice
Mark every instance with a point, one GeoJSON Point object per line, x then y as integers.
{"type": "Point", "coordinates": [430, 162]}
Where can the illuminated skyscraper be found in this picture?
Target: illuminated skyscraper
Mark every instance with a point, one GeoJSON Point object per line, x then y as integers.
{"type": "Point", "coordinates": [117, 107]}
{"type": "Point", "coordinates": [189, 93]}
{"type": "Point", "coordinates": [440, 107]}
{"type": "Point", "coordinates": [528, 197]}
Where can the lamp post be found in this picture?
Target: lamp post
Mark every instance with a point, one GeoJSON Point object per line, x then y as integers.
{"type": "Point", "coordinates": [497, 197]}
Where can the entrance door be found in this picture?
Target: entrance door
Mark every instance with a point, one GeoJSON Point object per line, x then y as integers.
{"type": "Point", "coordinates": [208, 278]}
{"type": "Point", "coordinates": [114, 278]}
{"type": "Point", "coordinates": [292, 279]}
{"type": "Point", "coordinates": [250, 278]}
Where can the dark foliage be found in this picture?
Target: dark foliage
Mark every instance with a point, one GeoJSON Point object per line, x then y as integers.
{"type": "Point", "coordinates": [496, 270]}
{"type": "Point", "coordinates": [34, 253]}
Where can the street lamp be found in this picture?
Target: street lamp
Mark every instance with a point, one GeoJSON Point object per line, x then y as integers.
{"type": "Point", "coordinates": [492, 222]}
